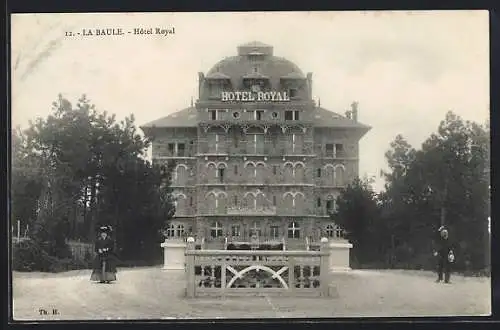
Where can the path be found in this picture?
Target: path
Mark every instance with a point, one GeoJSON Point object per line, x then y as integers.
{"type": "Point", "coordinates": [146, 293]}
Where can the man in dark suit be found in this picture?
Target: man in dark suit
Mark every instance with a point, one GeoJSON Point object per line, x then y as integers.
{"type": "Point", "coordinates": [444, 254]}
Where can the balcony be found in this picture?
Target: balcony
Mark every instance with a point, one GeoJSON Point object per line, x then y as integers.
{"type": "Point", "coordinates": [161, 153]}
{"type": "Point", "coordinates": [269, 210]}
{"type": "Point", "coordinates": [185, 212]}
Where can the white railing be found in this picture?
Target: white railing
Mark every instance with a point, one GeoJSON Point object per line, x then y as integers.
{"type": "Point", "coordinates": [222, 272]}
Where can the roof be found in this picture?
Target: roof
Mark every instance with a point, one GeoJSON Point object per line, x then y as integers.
{"type": "Point", "coordinates": [321, 118]}
{"type": "Point", "coordinates": [293, 75]}
{"type": "Point", "coordinates": [255, 44]}
{"type": "Point", "coordinates": [326, 118]}
{"type": "Point", "coordinates": [217, 75]}
{"type": "Point", "coordinates": [272, 66]}
{"type": "Point", "coordinates": [255, 75]}
{"type": "Point", "coordinates": [183, 118]}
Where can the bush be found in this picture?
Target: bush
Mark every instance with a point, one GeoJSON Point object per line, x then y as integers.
{"type": "Point", "coordinates": [29, 256]}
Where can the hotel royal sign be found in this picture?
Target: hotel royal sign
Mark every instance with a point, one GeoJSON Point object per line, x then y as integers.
{"type": "Point", "coordinates": [255, 95]}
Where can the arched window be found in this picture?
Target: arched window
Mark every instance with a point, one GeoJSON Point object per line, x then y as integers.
{"type": "Point", "coordinates": [288, 172]}
{"type": "Point", "coordinates": [293, 230]}
{"type": "Point", "coordinates": [260, 172]}
{"type": "Point", "coordinates": [221, 171]}
{"type": "Point", "coordinates": [216, 229]}
{"type": "Point", "coordinates": [251, 171]}
{"type": "Point", "coordinates": [180, 204]}
{"type": "Point", "coordinates": [221, 203]}
{"type": "Point", "coordinates": [339, 176]}
{"type": "Point", "coordinates": [329, 175]}
{"type": "Point", "coordinates": [211, 203]}
{"type": "Point", "coordinates": [299, 203]}
{"type": "Point", "coordinates": [211, 172]}
{"type": "Point", "coordinates": [249, 201]}
{"type": "Point", "coordinates": [288, 203]}
{"type": "Point", "coordinates": [181, 174]}
{"type": "Point", "coordinates": [330, 204]}
{"type": "Point", "coordinates": [260, 200]}
{"type": "Point", "coordinates": [299, 173]}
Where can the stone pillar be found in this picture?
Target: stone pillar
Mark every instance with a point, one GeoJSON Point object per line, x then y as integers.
{"type": "Point", "coordinates": [190, 276]}
{"type": "Point", "coordinates": [173, 254]}
{"type": "Point", "coordinates": [339, 255]}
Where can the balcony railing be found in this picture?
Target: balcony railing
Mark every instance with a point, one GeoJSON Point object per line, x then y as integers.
{"type": "Point", "coordinates": [161, 153]}
{"type": "Point", "coordinates": [234, 210]}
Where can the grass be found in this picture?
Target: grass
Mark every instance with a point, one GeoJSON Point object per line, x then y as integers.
{"type": "Point", "coordinates": [152, 293]}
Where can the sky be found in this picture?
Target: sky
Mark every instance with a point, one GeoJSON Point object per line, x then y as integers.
{"type": "Point", "coordinates": [405, 69]}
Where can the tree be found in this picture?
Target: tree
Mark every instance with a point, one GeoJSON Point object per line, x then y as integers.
{"type": "Point", "coordinates": [445, 182]}
{"type": "Point", "coordinates": [358, 214]}
{"type": "Point", "coordinates": [93, 168]}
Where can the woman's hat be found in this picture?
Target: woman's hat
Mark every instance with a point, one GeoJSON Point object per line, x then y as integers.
{"type": "Point", "coordinates": [105, 229]}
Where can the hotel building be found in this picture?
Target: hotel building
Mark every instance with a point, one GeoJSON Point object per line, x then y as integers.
{"type": "Point", "coordinates": [255, 156]}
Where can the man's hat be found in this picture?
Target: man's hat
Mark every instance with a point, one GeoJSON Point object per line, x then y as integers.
{"type": "Point", "coordinates": [441, 228]}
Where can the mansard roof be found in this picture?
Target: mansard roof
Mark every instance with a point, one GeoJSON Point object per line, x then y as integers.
{"type": "Point", "coordinates": [326, 118]}
{"type": "Point", "coordinates": [321, 118]}
{"type": "Point", "coordinates": [217, 75]}
{"type": "Point", "coordinates": [183, 118]}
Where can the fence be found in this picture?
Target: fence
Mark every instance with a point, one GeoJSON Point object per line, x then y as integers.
{"type": "Point", "coordinates": [223, 272]}
{"type": "Point", "coordinates": [81, 250]}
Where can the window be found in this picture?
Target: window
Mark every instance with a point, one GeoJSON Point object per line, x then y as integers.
{"type": "Point", "coordinates": [255, 230]}
{"type": "Point", "coordinates": [292, 92]}
{"type": "Point", "coordinates": [235, 200]}
{"type": "Point", "coordinates": [181, 149]}
{"type": "Point", "coordinates": [258, 114]}
{"type": "Point", "coordinates": [329, 150]}
{"type": "Point", "coordinates": [216, 230]}
{"type": "Point", "coordinates": [216, 142]}
{"type": "Point", "coordinates": [318, 202]}
{"type": "Point", "coordinates": [221, 174]}
{"type": "Point", "coordinates": [319, 173]}
{"type": "Point", "coordinates": [274, 200]}
{"type": "Point", "coordinates": [235, 230]}
{"type": "Point", "coordinates": [330, 231]}
{"type": "Point", "coordinates": [339, 149]}
{"type": "Point", "coordinates": [191, 201]}
{"type": "Point", "coordinates": [213, 114]}
{"type": "Point", "coordinates": [180, 230]}
{"type": "Point", "coordinates": [275, 232]}
{"type": "Point", "coordinates": [288, 115]}
{"type": "Point", "coordinates": [171, 230]}
{"type": "Point", "coordinates": [296, 115]}
{"type": "Point", "coordinates": [293, 230]}
{"type": "Point", "coordinates": [275, 170]}
{"type": "Point", "coordinates": [235, 169]}
{"type": "Point", "coordinates": [256, 144]}
{"type": "Point", "coordinates": [171, 149]}
{"type": "Point", "coordinates": [329, 205]}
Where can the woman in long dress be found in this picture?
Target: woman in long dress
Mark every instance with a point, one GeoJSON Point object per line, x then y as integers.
{"type": "Point", "coordinates": [104, 270]}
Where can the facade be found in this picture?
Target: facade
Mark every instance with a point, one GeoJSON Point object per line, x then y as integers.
{"type": "Point", "coordinates": [255, 155]}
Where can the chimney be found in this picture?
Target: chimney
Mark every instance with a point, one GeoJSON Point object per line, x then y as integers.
{"type": "Point", "coordinates": [354, 111]}
{"type": "Point", "coordinates": [309, 83]}
{"type": "Point", "coordinates": [201, 80]}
